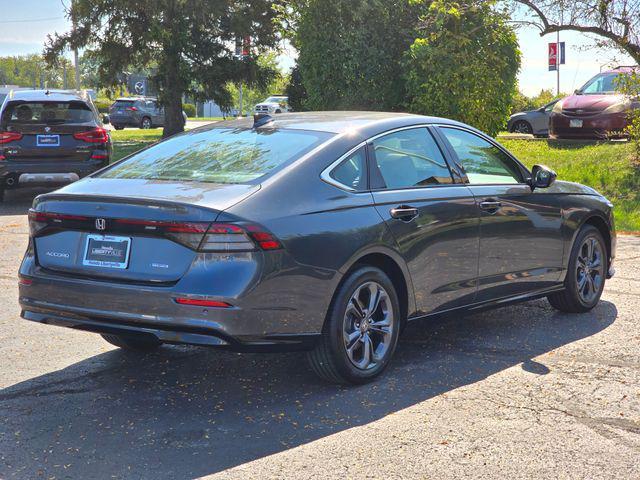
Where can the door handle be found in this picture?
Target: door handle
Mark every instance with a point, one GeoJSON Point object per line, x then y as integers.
{"type": "Point", "coordinates": [404, 213]}
{"type": "Point", "coordinates": [490, 205]}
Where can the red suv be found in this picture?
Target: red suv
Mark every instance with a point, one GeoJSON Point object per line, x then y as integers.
{"type": "Point", "coordinates": [597, 110]}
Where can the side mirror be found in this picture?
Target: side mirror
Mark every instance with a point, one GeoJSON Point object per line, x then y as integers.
{"type": "Point", "coordinates": [105, 120]}
{"type": "Point", "coordinates": [542, 177]}
{"type": "Point", "coordinates": [577, 91]}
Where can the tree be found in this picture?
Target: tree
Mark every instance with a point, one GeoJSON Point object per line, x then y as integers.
{"type": "Point", "coordinates": [350, 52]}
{"type": "Point", "coordinates": [190, 43]}
{"type": "Point", "coordinates": [256, 94]}
{"type": "Point", "coordinates": [33, 71]}
{"type": "Point", "coordinates": [617, 22]}
{"type": "Point", "coordinates": [296, 90]}
{"type": "Point", "coordinates": [464, 64]}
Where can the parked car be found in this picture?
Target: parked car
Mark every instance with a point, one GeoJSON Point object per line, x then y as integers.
{"type": "Point", "coordinates": [596, 110]}
{"type": "Point", "coordinates": [50, 137]}
{"type": "Point", "coordinates": [322, 231]}
{"type": "Point", "coordinates": [534, 122]}
{"type": "Point", "coordinates": [273, 104]}
{"type": "Point", "coordinates": [137, 112]}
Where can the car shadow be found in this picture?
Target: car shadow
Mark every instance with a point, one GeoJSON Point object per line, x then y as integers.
{"type": "Point", "coordinates": [187, 412]}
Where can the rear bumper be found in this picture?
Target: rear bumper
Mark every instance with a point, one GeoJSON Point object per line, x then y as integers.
{"type": "Point", "coordinates": [48, 173]}
{"type": "Point", "coordinates": [265, 312]}
{"type": "Point", "coordinates": [124, 121]}
{"type": "Point", "coordinates": [171, 333]}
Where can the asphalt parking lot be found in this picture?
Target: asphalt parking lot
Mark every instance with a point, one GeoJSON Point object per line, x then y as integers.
{"type": "Point", "coordinates": [520, 392]}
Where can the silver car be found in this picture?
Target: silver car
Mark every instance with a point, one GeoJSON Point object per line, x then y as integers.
{"type": "Point", "coordinates": [533, 122]}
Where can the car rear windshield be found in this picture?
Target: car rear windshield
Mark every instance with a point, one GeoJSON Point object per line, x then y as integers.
{"type": "Point", "coordinates": [218, 155]}
{"type": "Point", "coordinates": [48, 113]}
{"type": "Point", "coordinates": [123, 103]}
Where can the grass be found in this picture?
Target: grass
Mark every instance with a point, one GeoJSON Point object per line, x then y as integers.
{"type": "Point", "coordinates": [608, 167]}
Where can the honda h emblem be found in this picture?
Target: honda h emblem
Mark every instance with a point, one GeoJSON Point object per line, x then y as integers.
{"type": "Point", "coordinates": [101, 223]}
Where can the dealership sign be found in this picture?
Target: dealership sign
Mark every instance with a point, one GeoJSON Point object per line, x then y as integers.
{"type": "Point", "coordinates": [553, 55]}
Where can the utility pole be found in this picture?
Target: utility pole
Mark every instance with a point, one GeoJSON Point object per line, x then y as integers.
{"type": "Point", "coordinates": [558, 63]}
{"type": "Point", "coordinates": [75, 50]}
{"type": "Point", "coordinates": [240, 99]}
{"type": "Point", "coordinates": [558, 53]}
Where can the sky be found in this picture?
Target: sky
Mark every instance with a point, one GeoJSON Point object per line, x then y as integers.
{"type": "Point", "coordinates": [24, 25]}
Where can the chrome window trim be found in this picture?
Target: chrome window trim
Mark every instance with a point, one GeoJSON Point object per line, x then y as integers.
{"type": "Point", "coordinates": [326, 173]}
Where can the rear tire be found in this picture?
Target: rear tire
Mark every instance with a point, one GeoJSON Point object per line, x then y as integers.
{"type": "Point", "coordinates": [361, 330]}
{"type": "Point", "coordinates": [145, 123]}
{"type": "Point", "coordinates": [132, 344]}
{"type": "Point", "coordinates": [586, 276]}
{"type": "Point", "coordinates": [522, 126]}
{"type": "Point", "coordinates": [118, 128]}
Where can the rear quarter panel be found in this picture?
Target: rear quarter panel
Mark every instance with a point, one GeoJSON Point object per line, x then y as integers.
{"type": "Point", "coordinates": [324, 230]}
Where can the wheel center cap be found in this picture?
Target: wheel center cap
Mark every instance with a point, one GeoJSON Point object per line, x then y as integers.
{"type": "Point", "coordinates": [364, 326]}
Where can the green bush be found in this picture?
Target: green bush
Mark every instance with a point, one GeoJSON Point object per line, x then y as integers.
{"type": "Point", "coordinates": [629, 85]}
{"type": "Point", "coordinates": [189, 109]}
{"type": "Point", "coordinates": [103, 104]}
{"type": "Point", "coordinates": [350, 53]}
{"type": "Point", "coordinates": [464, 66]}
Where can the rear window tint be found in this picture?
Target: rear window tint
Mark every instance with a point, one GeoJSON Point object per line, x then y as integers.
{"type": "Point", "coordinates": [219, 155]}
{"type": "Point", "coordinates": [49, 113]}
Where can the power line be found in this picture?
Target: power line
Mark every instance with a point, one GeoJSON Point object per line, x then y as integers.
{"type": "Point", "coordinates": [32, 20]}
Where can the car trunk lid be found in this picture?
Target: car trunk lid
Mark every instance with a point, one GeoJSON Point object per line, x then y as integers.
{"type": "Point", "coordinates": [138, 232]}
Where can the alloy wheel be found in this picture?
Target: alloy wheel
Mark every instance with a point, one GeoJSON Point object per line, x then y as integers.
{"type": "Point", "coordinates": [522, 127]}
{"type": "Point", "coordinates": [590, 269]}
{"type": "Point", "coordinates": [368, 326]}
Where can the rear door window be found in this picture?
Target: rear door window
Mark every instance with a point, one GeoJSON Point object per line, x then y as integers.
{"type": "Point", "coordinates": [219, 155]}
{"type": "Point", "coordinates": [46, 113]}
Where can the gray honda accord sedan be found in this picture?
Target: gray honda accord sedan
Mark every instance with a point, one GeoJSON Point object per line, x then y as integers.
{"type": "Point", "coordinates": [325, 232]}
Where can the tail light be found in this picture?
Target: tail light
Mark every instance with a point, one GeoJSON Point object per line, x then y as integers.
{"type": "Point", "coordinates": [214, 237]}
{"type": "Point", "coordinates": [199, 236]}
{"type": "Point", "coordinates": [6, 137]}
{"type": "Point", "coordinates": [97, 135]}
{"type": "Point", "coordinates": [40, 220]}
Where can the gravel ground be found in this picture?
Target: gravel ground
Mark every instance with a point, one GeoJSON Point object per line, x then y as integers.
{"type": "Point", "coordinates": [520, 392]}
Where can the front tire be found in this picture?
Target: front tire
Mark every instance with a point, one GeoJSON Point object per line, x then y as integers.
{"type": "Point", "coordinates": [361, 330]}
{"type": "Point", "coordinates": [131, 344]}
{"type": "Point", "coordinates": [586, 275]}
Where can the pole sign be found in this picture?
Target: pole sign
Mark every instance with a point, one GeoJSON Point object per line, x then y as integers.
{"type": "Point", "coordinates": [555, 56]}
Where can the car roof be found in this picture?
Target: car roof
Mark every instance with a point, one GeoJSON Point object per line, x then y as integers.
{"type": "Point", "coordinates": [337, 122]}
{"type": "Point", "coordinates": [48, 96]}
